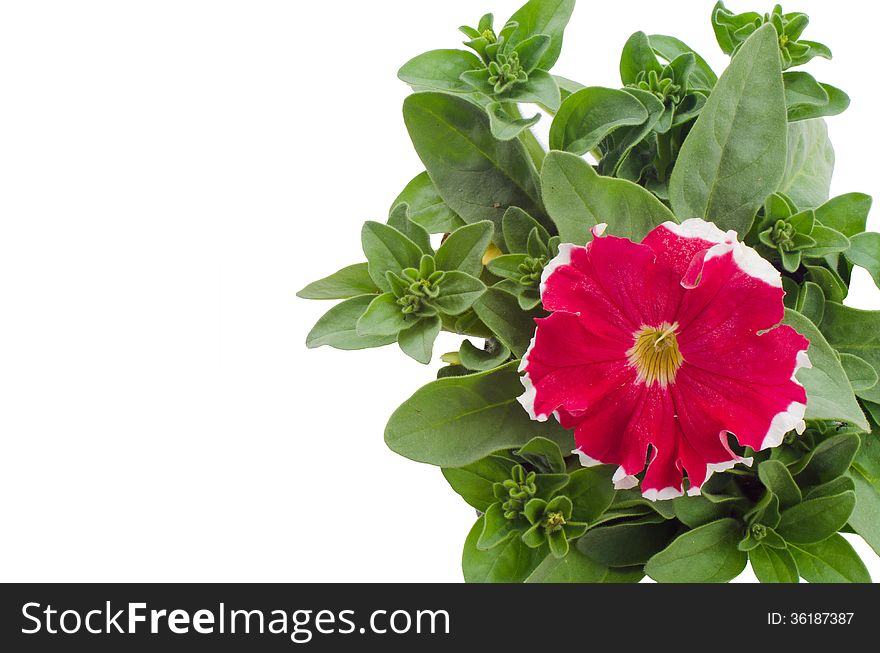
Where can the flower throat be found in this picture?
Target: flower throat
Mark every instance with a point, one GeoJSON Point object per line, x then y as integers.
{"type": "Point", "coordinates": [655, 354]}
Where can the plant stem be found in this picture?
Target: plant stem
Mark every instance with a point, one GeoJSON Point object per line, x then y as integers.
{"type": "Point", "coordinates": [527, 138]}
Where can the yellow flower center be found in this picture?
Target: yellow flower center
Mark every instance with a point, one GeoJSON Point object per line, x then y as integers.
{"type": "Point", "coordinates": [655, 354]}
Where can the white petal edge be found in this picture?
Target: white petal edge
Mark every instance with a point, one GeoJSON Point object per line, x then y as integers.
{"type": "Point", "coordinates": [665, 494]}
{"type": "Point", "coordinates": [623, 481]}
{"type": "Point", "coordinates": [748, 261]}
{"type": "Point", "coordinates": [699, 228]}
{"type": "Point", "coordinates": [801, 362]}
{"type": "Point", "coordinates": [562, 258]}
{"type": "Point", "coordinates": [711, 468]}
{"type": "Point", "coordinates": [790, 418]}
{"type": "Point", "coordinates": [585, 460]}
{"type": "Point", "coordinates": [527, 398]}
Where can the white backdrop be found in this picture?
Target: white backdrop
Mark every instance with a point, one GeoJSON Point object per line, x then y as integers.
{"type": "Point", "coordinates": [171, 173]}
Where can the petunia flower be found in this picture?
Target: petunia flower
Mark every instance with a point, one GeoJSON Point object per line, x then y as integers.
{"type": "Point", "coordinates": [656, 351]}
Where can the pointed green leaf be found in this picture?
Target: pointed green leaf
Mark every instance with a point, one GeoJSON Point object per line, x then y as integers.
{"type": "Point", "coordinates": [350, 281]}
{"type": "Point", "coordinates": [707, 554]}
{"type": "Point", "coordinates": [464, 248]}
{"type": "Point", "coordinates": [543, 17]}
{"type": "Point", "coordinates": [776, 478]}
{"type": "Point", "coordinates": [734, 156]}
{"type": "Point", "coordinates": [454, 421]}
{"type": "Point", "coordinates": [815, 520]}
{"type": "Point", "coordinates": [831, 561]}
{"type": "Point", "coordinates": [478, 176]}
{"type": "Point", "coordinates": [501, 312]}
{"type": "Point", "coordinates": [809, 164]}
{"type": "Point", "coordinates": [382, 317]}
{"type": "Point", "coordinates": [864, 251]}
{"type": "Point", "coordinates": [337, 328]}
{"type": "Point", "coordinates": [773, 565]}
{"type": "Point", "coordinates": [577, 199]}
{"type": "Point", "coordinates": [511, 562]}
{"type": "Point", "coordinates": [856, 332]}
{"type": "Point", "coordinates": [440, 69]}
{"type": "Point", "coordinates": [417, 341]}
{"type": "Point", "coordinates": [387, 249]}
{"type": "Point", "coordinates": [589, 115]}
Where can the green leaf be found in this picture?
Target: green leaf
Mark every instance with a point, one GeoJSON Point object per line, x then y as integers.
{"type": "Point", "coordinates": [589, 115]}
{"type": "Point", "coordinates": [481, 360]}
{"type": "Point", "coordinates": [440, 69]}
{"type": "Point", "coordinates": [544, 455]}
{"type": "Point", "coordinates": [496, 528]}
{"type": "Point", "coordinates": [543, 17]}
{"type": "Point", "coordinates": [507, 265]}
{"type": "Point", "coordinates": [426, 208]}
{"type": "Point", "coordinates": [501, 312]}
{"type": "Point", "coordinates": [578, 568]}
{"type": "Point", "coordinates": [417, 341]}
{"type": "Point", "coordinates": [860, 374]}
{"type": "Point", "coordinates": [511, 562]}
{"type": "Point", "coordinates": [621, 142]}
{"type": "Point", "coordinates": [577, 199]}
{"type": "Point", "coordinates": [626, 544]}
{"type": "Point", "coordinates": [865, 474]}
{"type": "Point", "coordinates": [387, 249]}
{"type": "Point", "coordinates": [591, 491]}
{"type": "Point", "coordinates": [776, 478]}
{"type": "Point", "coordinates": [864, 251]}
{"type": "Point", "coordinates": [707, 554]}
{"type": "Point", "coordinates": [474, 482]}
{"type": "Point", "coordinates": [815, 520]}
{"type": "Point", "coordinates": [831, 561]}
{"type": "Point", "coordinates": [516, 226]}
{"type": "Point", "coordinates": [464, 248]}
{"type": "Point", "coordinates": [773, 565]}
{"type": "Point", "coordinates": [809, 165]}
{"type": "Point", "coordinates": [454, 421]}
{"type": "Point", "coordinates": [383, 317]}
{"type": "Point", "coordinates": [637, 56]}
{"type": "Point", "coordinates": [478, 176]}
{"type": "Point", "coordinates": [847, 213]}
{"type": "Point", "coordinates": [669, 47]}
{"type": "Point", "coordinates": [811, 302]}
{"type": "Point", "coordinates": [734, 156]}
{"type": "Point", "coordinates": [829, 393]}
{"type": "Point", "coordinates": [830, 459]}
{"type": "Point", "coordinates": [350, 281]}
{"type": "Point", "coordinates": [837, 103]}
{"type": "Point", "coordinates": [834, 487]}
{"type": "Point", "coordinates": [539, 89]}
{"type": "Point", "coordinates": [337, 328]}
{"type": "Point", "coordinates": [801, 88]}
{"type": "Point", "coordinates": [458, 292]}
{"type": "Point", "coordinates": [400, 220]}
{"type": "Point", "coordinates": [505, 126]}
{"type": "Point", "coordinates": [828, 241]}
{"type": "Point", "coordinates": [832, 286]}
{"type": "Point", "coordinates": [699, 510]}
{"type": "Point", "coordinates": [856, 332]}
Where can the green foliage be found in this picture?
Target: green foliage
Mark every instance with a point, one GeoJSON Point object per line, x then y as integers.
{"type": "Point", "coordinates": [749, 151]}
{"type": "Point", "coordinates": [456, 421]}
{"type": "Point", "coordinates": [734, 156]}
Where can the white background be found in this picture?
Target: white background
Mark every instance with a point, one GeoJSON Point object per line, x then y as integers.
{"type": "Point", "coordinates": [171, 173]}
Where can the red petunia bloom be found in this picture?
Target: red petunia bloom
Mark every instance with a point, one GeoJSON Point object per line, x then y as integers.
{"type": "Point", "coordinates": [655, 351]}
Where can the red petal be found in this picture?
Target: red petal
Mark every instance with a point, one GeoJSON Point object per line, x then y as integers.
{"type": "Point", "coordinates": [572, 362]}
{"type": "Point", "coordinates": [616, 279]}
